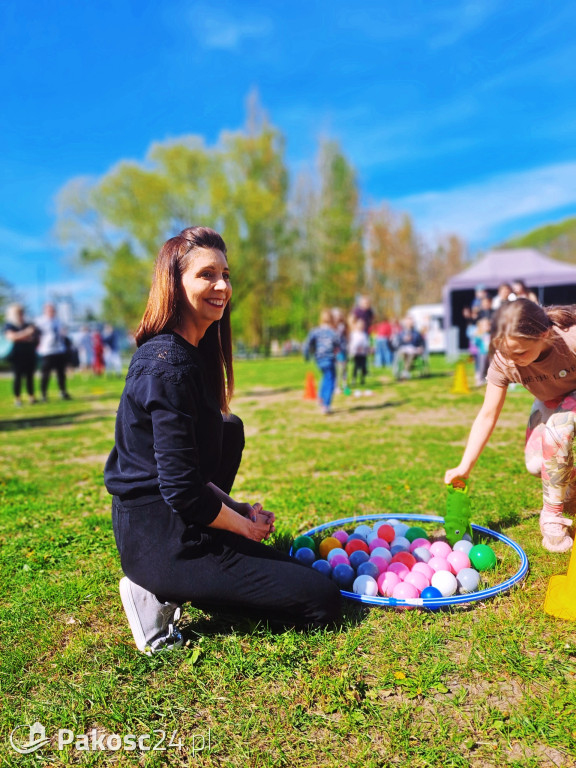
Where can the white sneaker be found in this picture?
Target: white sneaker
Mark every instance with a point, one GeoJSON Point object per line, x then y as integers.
{"type": "Point", "coordinates": [152, 622]}
{"type": "Point", "coordinates": [554, 531]}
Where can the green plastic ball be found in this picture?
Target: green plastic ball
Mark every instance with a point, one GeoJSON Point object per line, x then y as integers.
{"type": "Point", "coordinates": [303, 541]}
{"type": "Point", "coordinates": [482, 557]}
{"type": "Point", "coordinates": [415, 533]}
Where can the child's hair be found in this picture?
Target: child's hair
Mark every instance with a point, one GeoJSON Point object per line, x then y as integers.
{"type": "Point", "coordinates": [326, 317]}
{"type": "Point", "coordinates": [525, 319]}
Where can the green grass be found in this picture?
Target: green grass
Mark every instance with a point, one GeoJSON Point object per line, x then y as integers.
{"type": "Point", "coordinates": [493, 684]}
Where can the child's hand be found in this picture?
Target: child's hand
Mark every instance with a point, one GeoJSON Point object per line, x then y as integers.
{"type": "Point", "coordinates": [454, 474]}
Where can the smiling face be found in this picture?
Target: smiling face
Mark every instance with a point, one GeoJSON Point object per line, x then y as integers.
{"type": "Point", "coordinates": [205, 291]}
{"type": "Point", "coordinates": [522, 351]}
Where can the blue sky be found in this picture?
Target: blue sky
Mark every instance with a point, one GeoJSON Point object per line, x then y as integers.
{"type": "Point", "coordinates": [460, 112]}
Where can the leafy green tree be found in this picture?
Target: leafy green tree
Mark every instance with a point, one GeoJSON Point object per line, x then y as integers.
{"type": "Point", "coordinates": [340, 251]}
{"type": "Point", "coordinates": [238, 187]}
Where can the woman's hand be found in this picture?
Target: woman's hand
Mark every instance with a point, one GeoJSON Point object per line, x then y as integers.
{"type": "Point", "coordinates": [259, 527]}
{"type": "Point", "coordinates": [452, 474]}
{"type": "Point", "coordinates": [258, 513]}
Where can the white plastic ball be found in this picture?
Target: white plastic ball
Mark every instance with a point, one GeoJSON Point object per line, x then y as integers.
{"type": "Point", "coordinates": [401, 544]}
{"type": "Point", "coordinates": [382, 552]}
{"type": "Point", "coordinates": [400, 528]}
{"type": "Point", "coordinates": [422, 554]}
{"type": "Point", "coordinates": [365, 585]}
{"type": "Point", "coordinates": [468, 580]}
{"type": "Point", "coordinates": [363, 530]}
{"type": "Point", "coordinates": [463, 546]}
{"type": "Point", "coordinates": [445, 582]}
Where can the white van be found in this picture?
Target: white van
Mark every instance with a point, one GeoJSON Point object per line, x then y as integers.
{"type": "Point", "coordinates": [429, 320]}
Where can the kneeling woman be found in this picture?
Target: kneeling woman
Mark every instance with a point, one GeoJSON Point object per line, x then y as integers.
{"type": "Point", "coordinates": [180, 536]}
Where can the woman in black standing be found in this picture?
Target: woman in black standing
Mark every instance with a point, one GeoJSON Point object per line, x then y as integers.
{"type": "Point", "coordinates": [24, 338]}
{"type": "Point", "coordinates": [181, 537]}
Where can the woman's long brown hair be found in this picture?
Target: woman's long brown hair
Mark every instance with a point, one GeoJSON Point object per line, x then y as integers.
{"type": "Point", "coordinates": [162, 313]}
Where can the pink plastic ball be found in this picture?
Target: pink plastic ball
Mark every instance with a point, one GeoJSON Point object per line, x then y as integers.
{"type": "Point", "coordinates": [380, 562]}
{"type": "Point", "coordinates": [338, 560]}
{"type": "Point", "coordinates": [378, 542]}
{"type": "Point", "coordinates": [424, 569]}
{"type": "Point", "coordinates": [420, 543]}
{"type": "Point", "coordinates": [418, 580]}
{"type": "Point", "coordinates": [440, 548]}
{"type": "Point", "coordinates": [399, 569]}
{"type": "Point", "coordinates": [341, 535]}
{"type": "Point", "coordinates": [404, 591]}
{"type": "Point", "coordinates": [438, 563]}
{"type": "Point", "coordinates": [458, 560]}
{"type": "Point", "coordinates": [386, 583]}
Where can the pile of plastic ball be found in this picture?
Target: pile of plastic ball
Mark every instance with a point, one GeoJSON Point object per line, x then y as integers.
{"type": "Point", "coordinates": [395, 560]}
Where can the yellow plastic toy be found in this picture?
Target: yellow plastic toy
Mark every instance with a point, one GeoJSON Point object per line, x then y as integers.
{"type": "Point", "coordinates": [560, 600]}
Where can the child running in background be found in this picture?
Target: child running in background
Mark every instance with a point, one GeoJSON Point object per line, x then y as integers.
{"type": "Point", "coordinates": [323, 344]}
{"type": "Point", "coordinates": [359, 349]}
{"type": "Point", "coordinates": [536, 347]}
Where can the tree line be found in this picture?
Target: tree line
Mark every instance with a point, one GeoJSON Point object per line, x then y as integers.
{"type": "Point", "coordinates": [294, 246]}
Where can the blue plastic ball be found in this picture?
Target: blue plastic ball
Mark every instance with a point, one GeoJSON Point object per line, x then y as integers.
{"type": "Point", "coordinates": [368, 569]}
{"type": "Point", "coordinates": [323, 567]}
{"type": "Point", "coordinates": [431, 593]}
{"type": "Point", "coordinates": [358, 557]}
{"type": "Point", "coordinates": [305, 555]}
{"type": "Point", "coordinates": [343, 575]}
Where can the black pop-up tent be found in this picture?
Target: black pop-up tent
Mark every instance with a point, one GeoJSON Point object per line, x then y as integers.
{"type": "Point", "coordinates": [554, 282]}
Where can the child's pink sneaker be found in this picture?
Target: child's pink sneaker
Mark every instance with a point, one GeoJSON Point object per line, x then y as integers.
{"type": "Point", "coordinates": [554, 529]}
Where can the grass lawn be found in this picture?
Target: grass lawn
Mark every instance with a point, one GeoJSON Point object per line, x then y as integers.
{"type": "Point", "coordinates": [491, 684]}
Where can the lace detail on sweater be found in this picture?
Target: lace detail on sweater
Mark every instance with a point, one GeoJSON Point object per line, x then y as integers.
{"type": "Point", "coordinates": [164, 358]}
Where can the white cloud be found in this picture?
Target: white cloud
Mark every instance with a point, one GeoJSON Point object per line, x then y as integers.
{"type": "Point", "coordinates": [475, 211]}
{"type": "Point", "coordinates": [219, 30]}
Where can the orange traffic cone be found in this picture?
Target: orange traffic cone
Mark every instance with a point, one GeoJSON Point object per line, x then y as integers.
{"type": "Point", "coordinates": [560, 597]}
{"type": "Point", "coordinates": [310, 387]}
{"type": "Point", "coordinates": [460, 383]}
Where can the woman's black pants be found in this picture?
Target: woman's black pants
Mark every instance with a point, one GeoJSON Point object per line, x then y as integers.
{"type": "Point", "coordinates": [218, 570]}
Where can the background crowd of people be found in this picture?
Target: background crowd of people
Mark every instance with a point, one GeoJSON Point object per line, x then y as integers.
{"type": "Point", "coordinates": [479, 316]}
{"type": "Point", "coordinates": [46, 345]}
{"type": "Point", "coordinates": [342, 345]}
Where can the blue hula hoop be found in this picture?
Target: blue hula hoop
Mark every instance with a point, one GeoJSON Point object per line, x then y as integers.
{"type": "Point", "coordinates": [436, 602]}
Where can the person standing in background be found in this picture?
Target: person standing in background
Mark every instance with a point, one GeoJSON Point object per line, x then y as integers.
{"type": "Point", "coordinates": [24, 338]}
{"type": "Point", "coordinates": [52, 351]}
{"type": "Point", "coordinates": [112, 359]}
{"type": "Point", "coordinates": [359, 350]}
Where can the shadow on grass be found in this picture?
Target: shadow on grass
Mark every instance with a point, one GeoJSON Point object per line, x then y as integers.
{"type": "Point", "coordinates": [510, 520]}
{"type": "Point", "coordinates": [267, 392]}
{"type": "Point", "coordinates": [58, 420]}
{"type": "Point", "coordinates": [373, 406]}
{"type": "Point", "coordinates": [205, 624]}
